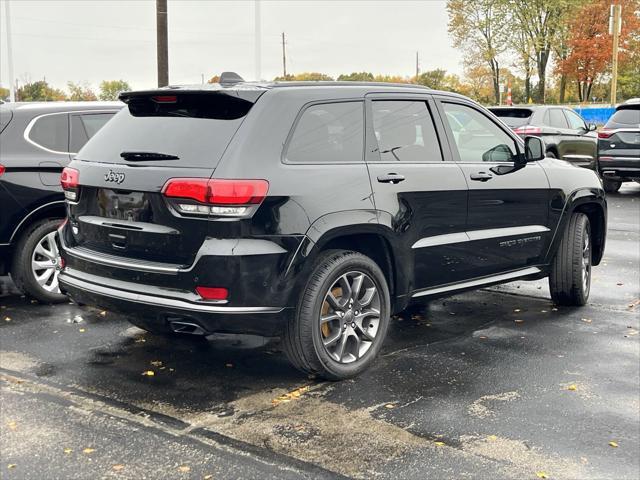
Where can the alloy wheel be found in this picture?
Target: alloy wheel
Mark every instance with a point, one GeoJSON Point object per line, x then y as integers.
{"type": "Point", "coordinates": [586, 262]}
{"type": "Point", "coordinates": [350, 317]}
{"type": "Point", "coordinates": [45, 263]}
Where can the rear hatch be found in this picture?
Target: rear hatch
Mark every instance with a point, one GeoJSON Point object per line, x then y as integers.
{"type": "Point", "coordinates": [117, 184]}
{"type": "Point", "coordinates": [620, 137]}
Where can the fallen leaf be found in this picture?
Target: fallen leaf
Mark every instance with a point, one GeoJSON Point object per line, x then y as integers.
{"type": "Point", "coordinates": [440, 444]}
{"type": "Point", "coordinates": [88, 450]}
{"type": "Point", "coordinates": [140, 340]}
{"type": "Point", "coordinates": [517, 310]}
{"type": "Point", "coordinates": [11, 465]}
{"type": "Point", "coordinates": [482, 337]}
{"type": "Point", "coordinates": [541, 475]}
{"type": "Point", "coordinates": [619, 284]}
{"type": "Point", "coordinates": [519, 321]}
{"type": "Point", "coordinates": [586, 320]}
{"type": "Point", "coordinates": [228, 365]}
{"type": "Point", "coordinates": [156, 363]}
{"type": "Point", "coordinates": [554, 309]}
{"type": "Point", "coordinates": [492, 438]}
{"type": "Point", "coordinates": [103, 313]}
{"type": "Point", "coordinates": [7, 319]}
{"type": "Point", "coordinates": [81, 330]}
{"type": "Point", "coordinates": [117, 468]}
{"type": "Point", "coordinates": [12, 425]}
{"type": "Point", "coordinates": [207, 477]}
{"type": "Point", "coordinates": [292, 395]}
{"type": "Point", "coordinates": [613, 444]}
{"type": "Point", "coordinates": [543, 311]}
{"type": "Point", "coordinates": [148, 373]}
{"type": "Point", "coordinates": [67, 451]}
{"type": "Point", "coordinates": [389, 405]}
{"type": "Point", "coordinates": [184, 468]}
{"type": "Point", "coordinates": [572, 387]}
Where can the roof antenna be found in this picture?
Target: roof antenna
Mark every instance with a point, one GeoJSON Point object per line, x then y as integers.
{"type": "Point", "coordinates": [230, 78]}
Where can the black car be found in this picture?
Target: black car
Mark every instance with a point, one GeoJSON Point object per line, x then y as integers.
{"type": "Point", "coordinates": [565, 133]}
{"type": "Point", "coordinates": [37, 141]}
{"type": "Point", "coordinates": [314, 211]}
{"type": "Point", "coordinates": [619, 147]}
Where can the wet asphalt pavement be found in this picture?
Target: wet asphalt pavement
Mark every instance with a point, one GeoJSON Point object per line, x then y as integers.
{"type": "Point", "coordinates": [496, 383]}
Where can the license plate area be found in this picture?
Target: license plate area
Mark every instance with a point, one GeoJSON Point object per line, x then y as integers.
{"type": "Point", "coordinates": [124, 205]}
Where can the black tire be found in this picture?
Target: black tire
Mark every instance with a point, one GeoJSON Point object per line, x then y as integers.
{"type": "Point", "coordinates": [306, 340]}
{"type": "Point", "coordinates": [611, 186]}
{"type": "Point", "coordinates": [568, 281]}
{"type": "Point", "coordinates": [22, 273]}
{"type": "Point", "coordinates": [550, 154]}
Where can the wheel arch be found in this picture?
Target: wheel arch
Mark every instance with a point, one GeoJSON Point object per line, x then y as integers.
{"type": "Point", "coordinates": [591, 202]}
{"type": "Point", "coordinates": [365, 236]}
{"type": "Point", "coordinates": [55, 209]}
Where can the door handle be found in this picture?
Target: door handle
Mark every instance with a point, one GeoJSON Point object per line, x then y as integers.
{"type": "Point", "coordinates": [391, 178]}
{"type": "Point", "coordinates": [481, 176]}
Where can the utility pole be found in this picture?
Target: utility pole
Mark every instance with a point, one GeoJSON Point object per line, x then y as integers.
{"type": "Point", "coordinates": [258, 41]}
{"type": "Point", "coordinates": [417, 65]}
{"type": "Point", "coordinates": [162, 43]}
{"type": "Point", "coordinates": [614, 30]}
{"type": "Point", "coordinates": [12, 89]}
{"type": "Point", "coordinates": [284, 58]}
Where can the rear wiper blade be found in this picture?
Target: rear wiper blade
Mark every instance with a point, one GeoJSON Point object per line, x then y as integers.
{"type": "Point", "coordinates": [146, 156]}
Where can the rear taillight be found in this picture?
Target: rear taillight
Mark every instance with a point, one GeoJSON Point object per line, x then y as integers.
{"type": "Point", "coordinates": [528, 130]}
{"type": "Point", "coordinates": [2, 169]}
{"type": "Point", "coordinates": [228, 198]}
{"type": "Point", "coordinates": [604, 133]}
{"type": "Point", "coordinates": [212, 293]}
{"type": "Point", "coordinates": [70, 180]}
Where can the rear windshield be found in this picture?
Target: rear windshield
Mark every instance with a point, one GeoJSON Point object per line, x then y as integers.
{"type": "Point", "coordinates": [514, 117]}
{"type": "Point", "coordinates": [194, 128]}
{"type": "Point", "coordinates": [627, 117]}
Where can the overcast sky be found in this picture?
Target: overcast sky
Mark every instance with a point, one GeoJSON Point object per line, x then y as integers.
{"type": "Point", "coordinates": [93, 40]}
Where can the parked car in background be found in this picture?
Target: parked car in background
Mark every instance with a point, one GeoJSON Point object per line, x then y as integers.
{"type": "Point", "coordinates": [314, 211]}
{"type": "Point", "coordinates": [37, 140]}
{"type": "Point", "coordinates": [619, 146]}
{"type": "Point", "coordinates": [565, 134]}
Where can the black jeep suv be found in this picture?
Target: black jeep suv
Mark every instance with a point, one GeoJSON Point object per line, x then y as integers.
{"type": "Point", "coordinates": [37, 140]}
{"type": "Point", "coordinates": [314, 211]}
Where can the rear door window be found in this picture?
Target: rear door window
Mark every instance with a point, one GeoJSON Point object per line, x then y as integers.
{"type": "Point", "coordinates": [51, 132]}
{"type": "Point", "coordinates": [328, 133]}
{"type": "Point", "coordinates": [84, 126]}
{"type": "Point", "coordinates": [405, 132]}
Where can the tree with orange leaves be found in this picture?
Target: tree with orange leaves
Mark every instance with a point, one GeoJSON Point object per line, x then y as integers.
{"type": "Point", "coordinates": [590, 45]}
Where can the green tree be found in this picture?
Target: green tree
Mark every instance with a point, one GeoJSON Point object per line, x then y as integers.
{"type": "Point", "coordinates": [543, 23]}
{"type": "Point", "coordinates": [433, 79]}
{"type": "Point", "coordinates": [110, 89]}
{"type": "Point", "coordinates": [4, 93]}
{"type": "Point", "coordinates": [305, 77]}
{"type": "Point", "coordinates": [81, 92]}
{"type": "Point", "coordinates": [356, 77]}
{"type": "Point", "coordinates": [39, 91]}
{"type": "Point", "coordinates": [481, 27]}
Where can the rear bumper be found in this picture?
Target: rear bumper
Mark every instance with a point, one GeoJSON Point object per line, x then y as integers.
{"type": "Point", "coordinates": [163, 306]}
{"type": "Point", "coordinates": [619, 167]}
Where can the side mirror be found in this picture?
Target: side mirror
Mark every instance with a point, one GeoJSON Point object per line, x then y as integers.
{"type": "Point", "coordinates": [592, 127]}
{"type": "Point", "coordinates": [533, 149]}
